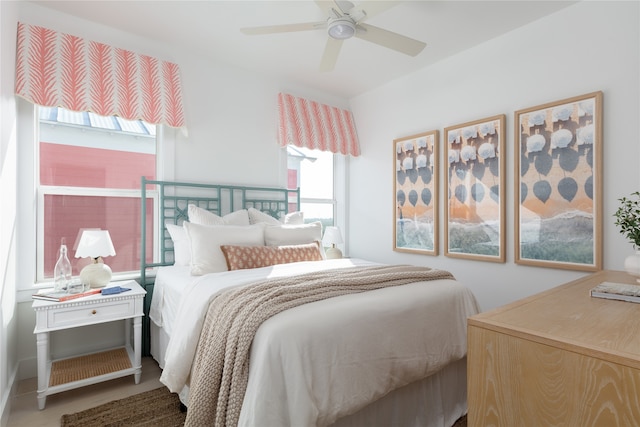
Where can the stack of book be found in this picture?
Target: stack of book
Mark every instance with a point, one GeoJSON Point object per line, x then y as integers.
{"type": "Point", "coordinates": [51, 295]}
{"type": "Point", "coordinates": [617, 291]}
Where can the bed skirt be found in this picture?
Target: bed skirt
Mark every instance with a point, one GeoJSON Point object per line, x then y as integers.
{"type": "Point", "coordinates": [436, 401]}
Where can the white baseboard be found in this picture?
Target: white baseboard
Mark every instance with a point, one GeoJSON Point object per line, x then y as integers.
{"type": "Point", "coordinates": [5, 405]}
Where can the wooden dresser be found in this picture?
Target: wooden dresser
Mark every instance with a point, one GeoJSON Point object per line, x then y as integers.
{"type": "Point", "coordinates": [558, 358]}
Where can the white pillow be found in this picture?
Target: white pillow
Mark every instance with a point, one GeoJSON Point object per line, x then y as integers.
{"type": "Point", "coordinates": [295, 218]}
{"type": "Point", "coordinates": [206, 256]}
{"type": "Point", "coordinates": [256, 216]}
{"type": "Point", "coordinates": [284, 235]}
{"type": "Point", "coordinates": [198, 215]}
{"type": "Point", "coordinates": [181, 244]}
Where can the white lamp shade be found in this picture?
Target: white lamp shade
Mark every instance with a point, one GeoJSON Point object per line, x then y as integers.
{"type": "Point", "coordinates": [332, 236]}
{"type": "Point", "coordinates": [94, 244]}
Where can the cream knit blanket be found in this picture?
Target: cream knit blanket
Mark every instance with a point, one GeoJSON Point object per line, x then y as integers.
{"type": "Point", "coordinates": [221, 366]}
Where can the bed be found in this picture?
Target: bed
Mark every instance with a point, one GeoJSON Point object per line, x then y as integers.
{"type": "Point", "coordinates": [337, 356]}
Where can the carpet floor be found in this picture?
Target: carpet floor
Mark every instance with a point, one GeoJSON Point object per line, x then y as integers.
{"type": "Point", "coordinates": [154, 408]}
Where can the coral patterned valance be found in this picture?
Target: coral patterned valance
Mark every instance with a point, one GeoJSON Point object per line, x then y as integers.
{"type": "Point", "coordinates": [308, 124]}
{"type": "Point", "coordinates": [57, 69]}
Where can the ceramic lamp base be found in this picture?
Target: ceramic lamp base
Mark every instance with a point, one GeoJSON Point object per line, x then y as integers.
{"type": "Point", "coordinates": [96, 275]}
{"type": "Point", "coordinates": [334, 253]}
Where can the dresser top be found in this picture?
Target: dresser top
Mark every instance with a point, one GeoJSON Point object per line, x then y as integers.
{"type": "Point", "coordinates": [136, 292]}
{"type": "Point", "coordinates": [568, 317]}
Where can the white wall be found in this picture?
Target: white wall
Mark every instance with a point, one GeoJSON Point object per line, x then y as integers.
{"type": "Point", "coordinates": [8, 214]}
{"type": "Point", "coordinates": [584, 48]}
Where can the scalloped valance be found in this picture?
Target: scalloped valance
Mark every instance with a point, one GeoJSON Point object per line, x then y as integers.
{"type": "Point", "coordinates": [309, 124]}
{"type": "Point", "coordinates": [60, 70]}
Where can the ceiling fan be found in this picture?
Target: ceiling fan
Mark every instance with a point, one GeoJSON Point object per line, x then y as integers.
{"type": "Point", "coordinates": [344, 20]}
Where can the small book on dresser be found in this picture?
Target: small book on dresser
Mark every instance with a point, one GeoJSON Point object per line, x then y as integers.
{"type": "Point", "coordinates": [617, 291]}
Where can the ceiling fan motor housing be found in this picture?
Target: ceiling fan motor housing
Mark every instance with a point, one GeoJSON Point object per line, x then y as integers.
{"type": "Point", "coordinates": [341, 28]}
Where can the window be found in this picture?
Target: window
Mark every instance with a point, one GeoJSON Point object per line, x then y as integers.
{"type": "Point", "coordinates": [312, 171]}
{"type": "Point", "coordinates": [89, 177]}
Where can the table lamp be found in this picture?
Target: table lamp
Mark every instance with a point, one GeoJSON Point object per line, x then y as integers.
{"type": "Point", "coordinates": [332, 237]}
{"type": "Point", "coordinates": [95, 244]}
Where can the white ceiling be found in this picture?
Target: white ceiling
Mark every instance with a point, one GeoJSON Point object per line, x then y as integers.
{"type": "Point", "coordinates": [212, 28]}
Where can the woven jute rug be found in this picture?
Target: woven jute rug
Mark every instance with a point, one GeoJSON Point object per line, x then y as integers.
{"type": "Point", "coordinates": [154, 408]}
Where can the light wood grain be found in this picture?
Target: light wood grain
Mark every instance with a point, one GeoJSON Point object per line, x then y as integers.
{"type": "Point", "coordinates": [559, 358]}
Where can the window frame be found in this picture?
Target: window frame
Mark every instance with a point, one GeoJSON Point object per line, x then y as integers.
{"type": "Point", "coordinates": [340, 192]}
{"type": "Point", "coordinates": [30, 223]}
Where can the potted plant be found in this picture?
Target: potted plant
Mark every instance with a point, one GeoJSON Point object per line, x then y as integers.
{"type": "Point", "coordinates": [628, 222]}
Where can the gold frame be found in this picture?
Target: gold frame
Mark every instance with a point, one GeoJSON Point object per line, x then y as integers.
{"type": "Point", "coordinates": [558, 184]}
{"type": "Point", "coordinates": [415, 193]}
{"type": "Point", "coordinates": [475, 185]}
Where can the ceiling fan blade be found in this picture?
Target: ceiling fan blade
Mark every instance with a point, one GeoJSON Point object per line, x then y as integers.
{"type": "Point", "coordinates": [372, 8]}
{"type": "Point", "coordinates": [390, 39]}
{"type": "Point", "coordinates": [325, 6]}
{"type": "Point", "coordinates": [286, 28]}
{"type": "Point", "coordinates": [330, 55]}
{"type": "Point", "coordinates": [339, 6]}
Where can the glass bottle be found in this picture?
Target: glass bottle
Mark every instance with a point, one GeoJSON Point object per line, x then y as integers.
{"type": "Point", "coordinates": [62, 270]}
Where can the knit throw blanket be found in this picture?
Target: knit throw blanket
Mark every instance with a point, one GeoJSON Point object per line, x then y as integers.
{"type": "Point", "coordinates": [221, 366]}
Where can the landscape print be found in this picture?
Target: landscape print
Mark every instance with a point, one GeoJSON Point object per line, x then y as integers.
{"type": "Point", "coordinates": [559, 169]}
{"type": "Point", "coordinates": [416, 193]}
{"type": "Point", "coordinates": [475, 186]}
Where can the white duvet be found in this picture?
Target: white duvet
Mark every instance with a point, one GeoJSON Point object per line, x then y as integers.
{"type": "Point", "coordinates": [315, 363]}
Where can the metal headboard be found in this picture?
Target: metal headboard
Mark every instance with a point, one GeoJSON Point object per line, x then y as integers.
{"type": "Point", "coordinates": [171, 199]}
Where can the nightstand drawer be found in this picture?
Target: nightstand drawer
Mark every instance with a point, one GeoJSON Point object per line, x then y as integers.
{"type": "Point", "coordinates": [90, 314]}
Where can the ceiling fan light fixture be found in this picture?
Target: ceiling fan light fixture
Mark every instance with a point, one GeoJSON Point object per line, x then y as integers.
{"type": "Point", "coordinates": [341, 28]}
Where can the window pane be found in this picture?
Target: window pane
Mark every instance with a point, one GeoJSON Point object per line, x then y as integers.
{"type": "Point", "coordinates": [314, 172]}
{"type": "Point", "coordinates": [67, 215]}
{"type": "Point", "coordinates": [322, 212]}
{"type": "Point", "coordinates": [74, 166]}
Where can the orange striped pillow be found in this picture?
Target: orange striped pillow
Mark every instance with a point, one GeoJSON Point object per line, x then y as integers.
{"type": "Point", "coordinates": [243, 257]}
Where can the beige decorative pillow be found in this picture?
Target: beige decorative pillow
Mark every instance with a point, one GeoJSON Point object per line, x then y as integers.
{"type": "Point", "coordinates": [243, 257]}
{"type": "Point", "coordinates": [294, 218]}
{"type": "Point", "coordinates": [198, 215]}
{"type": "Point", "coordinates": [256, 216]}
{"type": "Point", "coordinates": [206, 240]}
{"type": "Point", "coordinates": [181, 244]}
{"type": "Point", "coordinates": [280, 235]}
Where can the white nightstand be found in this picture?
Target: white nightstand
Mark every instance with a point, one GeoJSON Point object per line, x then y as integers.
{"type": "Point", "coordinates": [55, 376]}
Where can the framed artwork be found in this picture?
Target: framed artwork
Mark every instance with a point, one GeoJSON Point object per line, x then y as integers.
{"type": "Point", "coordinates": [415, 194]}
{"type": "Point", "coordinates": [475, 211]}
{"type": "Point", "coordinates": [558, 188]}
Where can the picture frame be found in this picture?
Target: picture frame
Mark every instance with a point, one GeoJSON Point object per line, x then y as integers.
{"type": "Point", "coordinates": [415, 193]}
{"type": "Point", "coordinates": [558, 184]}
{"type": "Point", "coordinates": [475, 185]}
